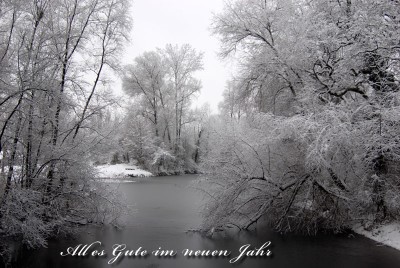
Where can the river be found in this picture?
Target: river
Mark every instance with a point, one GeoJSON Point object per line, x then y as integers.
{"type": "Point", "coordinates": [166, 207]}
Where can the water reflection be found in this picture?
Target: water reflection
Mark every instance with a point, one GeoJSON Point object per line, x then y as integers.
{"type": "Point", "coordinates": [166, 208]}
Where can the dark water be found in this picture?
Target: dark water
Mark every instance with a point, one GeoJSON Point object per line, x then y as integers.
{"type": "Point", "coordinates": [167, 207]}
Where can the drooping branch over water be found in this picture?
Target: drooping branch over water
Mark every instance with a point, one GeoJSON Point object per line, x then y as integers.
{"type": "Point", "coordinates": [308, 136]}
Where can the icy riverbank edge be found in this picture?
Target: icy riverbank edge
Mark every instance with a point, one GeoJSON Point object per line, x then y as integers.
{"type": "Point", "coordinates": [121, 171]}
{"type": "Point", "coordinates": [385, 234]}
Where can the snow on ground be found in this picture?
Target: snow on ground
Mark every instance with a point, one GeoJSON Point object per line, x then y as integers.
{"type": "Point", "coordinates": [387, 234]}
{"type": "Point", "coordinates": [116, 181]}
{"type": "Point", "coordinates": [120, 171]}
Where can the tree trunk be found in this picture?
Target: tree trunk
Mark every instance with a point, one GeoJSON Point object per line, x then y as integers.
{"type": "Point", "coordinates": [28, 156]}
{"type": "Point", "coordinates": [379, 187]}
{"type": "Point", "coordinates": [12, 158]}
{"type": "Point", "coordinates": [197, 152]}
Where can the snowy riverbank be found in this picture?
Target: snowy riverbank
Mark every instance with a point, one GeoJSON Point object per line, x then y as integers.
{"type": "Point", "coordinates": [121, 171]}
{"type": "Point", "coordinates": [386, 234]}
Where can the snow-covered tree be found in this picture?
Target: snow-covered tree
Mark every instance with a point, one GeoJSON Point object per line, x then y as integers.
{"type": "Point", "coordinates": [325, 154]}
{"type": "Point", "coordinates": [162, 85]}
{"type": "Point", "coordinates": [53, 58]}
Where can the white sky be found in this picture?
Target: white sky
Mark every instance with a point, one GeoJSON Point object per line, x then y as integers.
{"type": "Point", "coordinates": [159, 22]}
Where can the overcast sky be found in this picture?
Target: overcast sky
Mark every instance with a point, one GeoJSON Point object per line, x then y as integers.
{"type": "Point", "coordinates": [159, 22]}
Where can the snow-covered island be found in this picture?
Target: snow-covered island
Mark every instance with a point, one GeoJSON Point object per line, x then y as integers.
{"type": "Point", "coordinates": [121, 171]}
